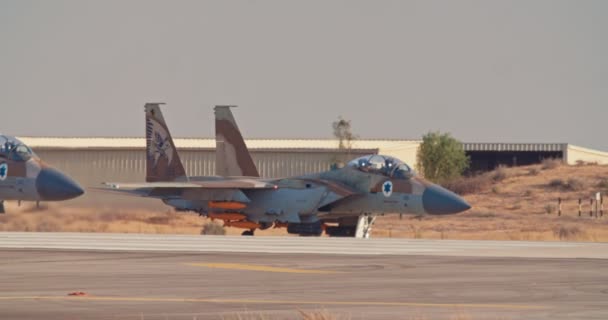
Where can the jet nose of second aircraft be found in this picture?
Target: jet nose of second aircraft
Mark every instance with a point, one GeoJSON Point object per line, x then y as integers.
{"type": "Point", "coordinates": [54, 185]}
{"type": "Point", "coordinates": [438, 200]}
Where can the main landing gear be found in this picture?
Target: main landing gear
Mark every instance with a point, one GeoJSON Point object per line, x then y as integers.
{"type": "Point", "coordinates": [248, 232]}
{"type": "Point", "coordinates": [1, 206]}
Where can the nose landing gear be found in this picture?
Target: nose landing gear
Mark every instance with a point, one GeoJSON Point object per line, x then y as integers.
{"type": "Point", "coordinates": [364, 226]}
{"type": "Point", "coordinates": [360, 227]}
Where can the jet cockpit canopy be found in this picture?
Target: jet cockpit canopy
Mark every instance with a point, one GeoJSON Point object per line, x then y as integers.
{"type": "Point", "coordinates": [385, 165]}
{"type": "Point", "coordinates": [12, 148]}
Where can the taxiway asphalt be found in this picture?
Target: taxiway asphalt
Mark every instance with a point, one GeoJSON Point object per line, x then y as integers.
{"type": "Point", "coordinates": [194, 277]}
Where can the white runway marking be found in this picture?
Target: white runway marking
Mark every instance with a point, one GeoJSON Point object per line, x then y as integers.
{"type": "Point", "coordinates": [284, 245]}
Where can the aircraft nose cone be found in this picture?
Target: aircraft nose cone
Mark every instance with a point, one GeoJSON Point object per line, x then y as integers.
{"type": "Point", "coordinates": [54, 185]}
{"type": "Point", "coordinates": [437, 200]}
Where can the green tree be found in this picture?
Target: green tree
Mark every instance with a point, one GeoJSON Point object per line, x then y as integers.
{"type": "Point", "coordinates": [441, 157]}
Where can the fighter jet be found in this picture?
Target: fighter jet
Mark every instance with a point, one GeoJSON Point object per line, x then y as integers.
{"type": "Point", "coordinates": [340, 202]}
{"type": "Point", "coordinates": [24, 177]}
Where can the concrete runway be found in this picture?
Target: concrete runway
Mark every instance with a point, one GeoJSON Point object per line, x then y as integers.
{"type": "Point", "coordinates": [168, 277]}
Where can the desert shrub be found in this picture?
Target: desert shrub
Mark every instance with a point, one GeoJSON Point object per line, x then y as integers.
{"type": "Point", "coordinates": [321, 315]}
{"type": "Point", "coordinates": [478, 183]}
{"type": "Point", "coordinates": [469, 185]}
{"type": "Point", "coordinates": [212, 228]}
{"type": "Point", "coordinates": [303, 314]}
{"type": "Point", "coordinates": [551, 163]}
{"type": "Point", "coordinates": [482, 215]}
{"type": "Point", "coordinates": [575, 184]}
{"type": "Point", "coordinates": [48, 225]}
{"type": "Point", "coordinates": [528, 193]}
{"type": "Point", "coordinates": [549, 208]}
{"type": "Point", "coordinates": [557, 183]}
{"type": "Point", "coordinates": [500, 174]}
{"type": "Point", "coordinates": [158, 220]}
{"type": "Point", "coordinates": [603, 184]}
{"type": "Point", "coordinates": [533, 172]}
{"type": "Point", "coordinates": [109, 216]}
{"type": "Point", "coordinates": [568, 232]}
{"type": "Point", "coordinates": [417, 233]}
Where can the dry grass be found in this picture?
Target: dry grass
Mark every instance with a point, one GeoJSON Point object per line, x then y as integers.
{"type": "Point", "coordinates": [59, 218]}
{"type": "Point", "coordinates": [321, 315]}
{"type": "Point", "coordinates": [301, 315]}
{"type": "Point", "coordinates": [327, 315]}
{"type": "Point", "coordinates": [480, 183]}
{"type": "Point", "coordinates": [573, 184]}
{"type": "Point", "coordinates": [501, 173]}
{"type": "Point", "coordinates": [568, 232]}
{"type": "Point", "coordinates": [551, 163]}
{"type": "Point", "coordinates": [471, 185]}
{"type": "Point", "coordinates": [213, 228]}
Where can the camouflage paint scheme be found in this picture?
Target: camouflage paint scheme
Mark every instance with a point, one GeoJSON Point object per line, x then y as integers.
{"type": "Point", "coordinates": [341, 202]}
{"type": "Point", "coordinates": [231, 155]}
{"type": "Point", "coordinates": [24, 177]}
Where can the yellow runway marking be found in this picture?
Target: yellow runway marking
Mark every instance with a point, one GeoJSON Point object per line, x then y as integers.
{"type": "Point", "coordinates": [253, 267]}
{"type": "Point", "coordinates": [288, 302]}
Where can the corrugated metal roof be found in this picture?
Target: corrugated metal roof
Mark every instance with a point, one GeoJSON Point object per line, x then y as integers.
{"type": "Point", "coordinates": [209, 143]}
{"type": "Point", "coordinates": [384, 145]}
{"type": "Point", "coordinates": [524, 147]}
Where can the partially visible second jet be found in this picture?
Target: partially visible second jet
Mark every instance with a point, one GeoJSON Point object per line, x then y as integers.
{"type": "Point", "coordinates": [24, 177]}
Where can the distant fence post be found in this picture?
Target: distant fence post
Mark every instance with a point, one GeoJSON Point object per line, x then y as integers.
{"type": "Point", "coordinates": [602, 205]}
{"type": "Point", "coordinates": [598, 199]}
{"type": "Point", "coordinates": [559, 206]}
{"type": "Point", "coordinates": [591, 207]}
{"type": "Point", "coordinates": [580, 206]}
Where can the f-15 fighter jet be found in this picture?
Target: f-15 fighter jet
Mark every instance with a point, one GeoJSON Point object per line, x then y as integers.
{"type": "Point", "coordinates": [24, 177]}
{"type": "Point", "coordinates": [339, 202]}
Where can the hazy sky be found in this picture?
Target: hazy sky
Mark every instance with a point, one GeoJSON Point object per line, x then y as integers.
{"type": "Point", "coordinates": [497, 71]}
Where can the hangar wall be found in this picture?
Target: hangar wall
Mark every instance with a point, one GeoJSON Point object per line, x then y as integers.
{"type": "Point", "coordinates": [91, 167]}
{"type": "Point", "coordinates": [575, 154]}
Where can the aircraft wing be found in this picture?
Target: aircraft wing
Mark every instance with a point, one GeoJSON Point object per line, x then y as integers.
{"type": "Point", "coordinates": [162, 189]}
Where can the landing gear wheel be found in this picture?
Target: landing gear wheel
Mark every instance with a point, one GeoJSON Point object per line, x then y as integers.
{"type": "Point", "coordinates": [247, 233]}
{"type": "Point", "coordinates": [341, 231]}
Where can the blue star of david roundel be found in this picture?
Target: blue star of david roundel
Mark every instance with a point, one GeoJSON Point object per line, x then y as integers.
{"type": "Point", "coordinates": [3, 170]}
{"type": "Point", "coordinates": [387, 188]}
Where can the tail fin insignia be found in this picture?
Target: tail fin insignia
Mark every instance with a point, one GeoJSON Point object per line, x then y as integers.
{"type": "Point", "coordinates": [158, 140]}
{"type": "Point", "coordinates": [162, 161]}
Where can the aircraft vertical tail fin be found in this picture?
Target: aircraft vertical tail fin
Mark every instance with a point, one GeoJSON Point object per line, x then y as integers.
{"type": "Point", "coordinates": [162, 161]}
{"type": "Point", "coordinates": [232, 157]}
